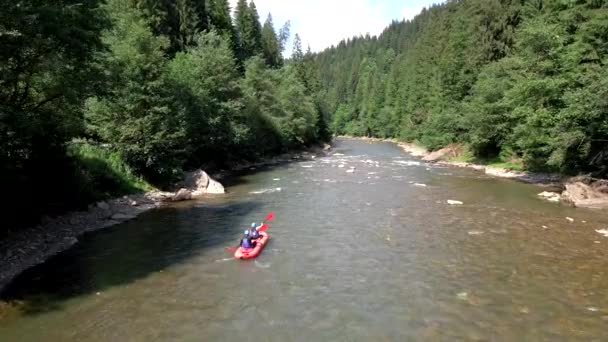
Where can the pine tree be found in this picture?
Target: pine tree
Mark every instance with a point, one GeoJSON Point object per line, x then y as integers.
{"type": "Point", "coordinates": [270, 44]}
{"type": "Point", "coordinates": [219, 19]}
{"type": "Point", "coordinates": [248, 30]}
{"type": "Point", "coordinates": [200, 7]}
{"type": "Point", "coordinates": [284, 34]}
{"type": "Point", "coordinates": [190, 22]}
{"type": "Point", "coordinates": [297, 55]}
{"type": "Point", "coordinates": [218, 12]}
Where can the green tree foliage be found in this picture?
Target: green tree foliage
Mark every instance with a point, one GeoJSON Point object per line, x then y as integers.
{"type": "Point", "coordinates": [45, 74]}
{"type": "Point", "coordinates": [219, 19]}
{"type": "Point", "coordinates": [280, 104]}
{"type": "Point", "coordinates": [134, 113]}
{"type": "Point", "coordinates": [248, 30]}
{"type": "Point", "coordinates": [178, 20]}
{"type": "Point", "coordinates": [206, 95]}
{"type": "Point", "coordinates": [270, 44]}
{"type": "Point", "coordinates": [515, 79]}
{"type": "Point", "coordinates": [100, 99]}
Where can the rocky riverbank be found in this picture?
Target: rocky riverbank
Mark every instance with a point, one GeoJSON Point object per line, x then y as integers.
{"type": "Point", "coordinates": [29, 247]}
{"type": "Point", "coordinates": [581, 191]}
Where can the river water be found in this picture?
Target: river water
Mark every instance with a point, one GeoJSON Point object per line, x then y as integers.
{"type": "Point", "coordinates": [371, 255]}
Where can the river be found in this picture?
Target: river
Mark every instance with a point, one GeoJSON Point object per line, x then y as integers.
{"type": "Point", "coordinates": [371, 255]}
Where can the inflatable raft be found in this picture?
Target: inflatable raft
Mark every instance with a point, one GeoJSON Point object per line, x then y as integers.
{"type": "Point", "coordinates": [248, 253]}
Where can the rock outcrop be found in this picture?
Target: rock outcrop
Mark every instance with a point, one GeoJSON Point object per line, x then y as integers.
{"type": "Point", "coordinates": [586, 192]}
{"type": "Point", "coordinates": [199, 183]}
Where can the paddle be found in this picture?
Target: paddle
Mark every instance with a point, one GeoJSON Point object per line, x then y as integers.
{"type": "Point", "coordinates": [262, 228]}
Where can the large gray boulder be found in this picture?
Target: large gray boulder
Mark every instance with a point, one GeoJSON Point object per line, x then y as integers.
{"type": "Point", "coordinates": [200, 183]}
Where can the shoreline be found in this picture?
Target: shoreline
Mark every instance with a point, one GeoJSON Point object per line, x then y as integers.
{"type": "Point", "coordinates": [32, 246]}
{"type": "Point", "coordinates": [436, 157]}
{"type": "Point", "coordinates": [578, 191]}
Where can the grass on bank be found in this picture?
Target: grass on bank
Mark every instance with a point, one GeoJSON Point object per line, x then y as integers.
{"type": "Point", "coordinates": [500, 161]}
{"type": "Point", "coordinates": [103, 173]}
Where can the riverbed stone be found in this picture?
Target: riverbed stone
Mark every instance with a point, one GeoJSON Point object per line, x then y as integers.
{"type": "Point", "coordinates": [214, 187]}
{"type": "Point", "coordinates": [182, 195]}
{"type": "Point", "coordinates": [103, 206]}
{"type": "Point", "coordinates": [587, 192]}
{"type": "Point", "coordinates": [122, 216]}
{"type": "Point", "coordinates": [550, 196]}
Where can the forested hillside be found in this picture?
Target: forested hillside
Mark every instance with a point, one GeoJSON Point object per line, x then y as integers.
{"type": "Point", "coordinates": [100, 98]}
{"type": "Point", "coordinates": [518, 80]}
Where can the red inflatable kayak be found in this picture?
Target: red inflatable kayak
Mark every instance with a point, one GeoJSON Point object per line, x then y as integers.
{"type": "Point", "coordinates": [248, 253]}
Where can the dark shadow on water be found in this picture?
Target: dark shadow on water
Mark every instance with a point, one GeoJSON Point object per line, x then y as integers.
{"type": "Point", "coordinates": [124, 253]}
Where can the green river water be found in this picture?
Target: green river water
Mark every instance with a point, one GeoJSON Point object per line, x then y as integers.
{"type": "Point", "coordinates": [365, 256]}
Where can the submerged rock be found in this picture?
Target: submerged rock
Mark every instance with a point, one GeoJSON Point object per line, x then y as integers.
{"type": "Point", "coordinates": [603, 232]}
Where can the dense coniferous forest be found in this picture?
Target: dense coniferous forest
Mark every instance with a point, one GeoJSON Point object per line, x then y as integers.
{"type": "Point", "coordinates": [102, 98]}
{"type": "Point", "coordinates": [522, 81]}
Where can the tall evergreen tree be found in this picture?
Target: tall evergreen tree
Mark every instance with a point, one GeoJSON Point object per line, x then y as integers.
{"type": "Point", "coordinates": [284, 34]}
{"type": "Point", "coordinates": [219, 19]}
{"type": "Point", "coordinates": [191, 20]}
{"type": "Point", "coordinates": [297, 55]}
{"type": "Point", "coordinates": [248, 30]}
{"type": "Point", "coordinates": [202, 12]}
{"type": "Point", "coordinates": [270, 44]}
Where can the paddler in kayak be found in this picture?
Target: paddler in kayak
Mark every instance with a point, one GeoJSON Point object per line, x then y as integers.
{"type": "Point", "coordinates": [250, 236]}
{"type": "Point", "coordinates": [247, 242]}
{"type": "Point", "coordinates": [253, 232]}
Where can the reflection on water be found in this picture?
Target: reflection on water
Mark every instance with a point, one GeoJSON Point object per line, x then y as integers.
{"type": "Point", "coordinates": [369, 254]}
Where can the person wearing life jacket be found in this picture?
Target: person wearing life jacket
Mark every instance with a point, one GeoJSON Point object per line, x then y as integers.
{"type": "Point", "coordinates": [253, 232]}
{"type": "Point", "coordinates": [247, 242]}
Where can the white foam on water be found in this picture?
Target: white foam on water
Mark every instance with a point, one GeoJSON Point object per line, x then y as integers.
{"type": "Point", "coordinates": [265, 191]}
{"type": "Point", "coordinates": [225, 259]}
{"type": "Point", "coordinates": [407, 162]}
